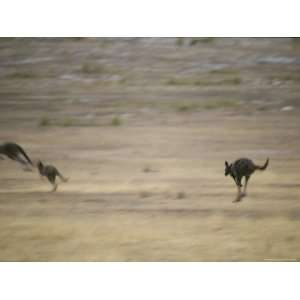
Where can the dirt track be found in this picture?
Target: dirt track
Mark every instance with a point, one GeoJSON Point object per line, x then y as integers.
{"type": "Point", "coordinates": [142, 129]}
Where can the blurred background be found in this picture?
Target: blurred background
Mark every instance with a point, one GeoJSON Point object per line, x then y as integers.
{"type": "Point", "coordinates": [142, 127]}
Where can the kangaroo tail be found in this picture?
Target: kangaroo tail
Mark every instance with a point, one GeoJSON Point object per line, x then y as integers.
{"type": "Point", "coordinates": [264, 166]}
{"type": "Point", "coordinates": [25, 155]}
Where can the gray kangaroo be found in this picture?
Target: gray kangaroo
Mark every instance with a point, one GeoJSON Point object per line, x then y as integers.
{"type": "Point", "coordinates": [15, 152]}
{"type": "Point", "coordinates": [242, 167]}
{"type": "Point", "coordinates": [50, 172]}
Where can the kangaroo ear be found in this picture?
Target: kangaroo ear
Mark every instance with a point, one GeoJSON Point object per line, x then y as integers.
{"type": "Point", "coordinates": [226, 163]}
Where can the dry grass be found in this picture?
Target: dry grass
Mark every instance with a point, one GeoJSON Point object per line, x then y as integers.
{"type": "Point", "coordinates": [207, 105]}
{"type": "Point", "coordinates": [110, 211]}
{"type": "Point", "coordinates": [173, 236]}
{"type": "Point", "coordinates": [115, 206]}
{"type": "Point", "coordinates": [234, 80]}
{"type": "Point", "coordinates": [116, 121]}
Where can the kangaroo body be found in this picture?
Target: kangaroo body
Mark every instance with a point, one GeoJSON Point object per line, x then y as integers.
{"type": "Point", "coordinates": [50, 172]}
{"type": "Point", "coordinates": [16, 153]}
{"type": "Point", "coordinates": [242, 167]}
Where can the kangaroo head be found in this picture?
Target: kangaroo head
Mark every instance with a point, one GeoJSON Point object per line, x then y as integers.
{"type": "Point", "coordinates": [40, 166]}
{"type": "Point", "coordinates": [227, 168]}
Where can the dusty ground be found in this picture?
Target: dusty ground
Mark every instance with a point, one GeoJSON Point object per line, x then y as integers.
{"type": "Point", "coordinates": [142, 128]}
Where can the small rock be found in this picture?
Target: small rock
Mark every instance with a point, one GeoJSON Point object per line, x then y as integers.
{"type": "Point", "coordinates": [276, 82]}
{"type": "Point", "coordinates": [287, 108]}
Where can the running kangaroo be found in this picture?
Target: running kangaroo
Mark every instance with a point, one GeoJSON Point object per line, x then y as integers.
{"type": "Point", "coordinates": [15, 152]}
{"type": "Point", "coordinates": [240, 168]}
{"type": "Point", "coordinates": [50, 172]}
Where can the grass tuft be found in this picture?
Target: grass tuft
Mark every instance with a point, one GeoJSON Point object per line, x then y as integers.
{"type": "Point", "coordinates": [236, 80]}
{"type": "Point", "coordinates": [207, 104]}
{"type": "Point", "coordinates": [147, 169]}
{"type": "Point", "coordinates": [184, 107]}
{"type": "Point", "coordinates": [67, 123]}
{"type": "Point", "coordinates": [90, 68]}
{"type": "Point", "coordinates": [195, 41]}
{"type": "Point", "coordinates": [145, 194]}
{"type": "Point", "coordinates": [116, 121]}
{"type": "Point", "coordinates": [180, 41]}
{"type": "Point", "coordinates": [181, 195]}
{"type": "Point", "coordinates": [21, 75]}
{"type": "Point", "coordinates": [44, 122]}
{"type": "Point", "coordinates": [215, 104]}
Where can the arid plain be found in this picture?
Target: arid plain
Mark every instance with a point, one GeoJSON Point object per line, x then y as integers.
{"type": "Point", "coordinates": [142, 128]}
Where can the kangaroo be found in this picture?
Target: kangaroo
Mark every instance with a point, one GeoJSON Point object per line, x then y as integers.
{"type": "Point", "coordinates": [15, 152]}
{"type": "Point", "coordinates": [50, 172]}
{"type": "Point", "coordinates": [242, 167]}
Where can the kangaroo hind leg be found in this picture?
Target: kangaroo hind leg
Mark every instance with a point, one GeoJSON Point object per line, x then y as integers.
{"type": "Point", "coordinates": [244, 194]}
{"type": "Point", "coordinates": [62, 178]}
{"type": "Point", "coordinates": [238, 196]}
{"type": "Point", "coordinates": [51, 178]}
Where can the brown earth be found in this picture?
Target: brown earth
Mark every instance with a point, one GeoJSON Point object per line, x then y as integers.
{"type": "Point", "coordinates": [142, 128]}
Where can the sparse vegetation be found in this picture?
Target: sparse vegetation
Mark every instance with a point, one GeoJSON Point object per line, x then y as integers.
{"type": "Point", "coordinates": [226, 72]}
{"type": "Point", "coordinates": [92, 68]}
{"type": "Point", "coordinates": [181, 195]}
{"type": "Point", "coordinates": [77, 38]}
{"type": "Point", "coordinates": [214, 104]}
{"type": "Point", "coordinates": [183, 107]}
{"type": "Point", "coordinates": [231, 81]}
{"type": "Point", "coordinates": [21, 75]}
{"type": "Point", "coordinates": [116, 121]}
{"type": "Point", "coordinates": [67, 122]}
{"type": "Point", "coordinates": [45, 122]}
{"type": "Point", "coordinates": [145, 194]}
{"type": "Point", "coordinates": [296, 40]}
{"type": "Point", "coordinates": [207, 40]}
{"type": "Point", "coordinates": [262, 108]}
{"type": "Point", "coordinates": [225, 81]}
{"type": "Point", "coordinates": [207, 104]}
{"type": "Point", "coordinates": [123, 80]}
{"type": "Point", "coordinates": [286, 77]}
{"type": "Point", "coordinates": [195, 41]}
{"type": "Point", "coordinates": [205, 81]}
{"type": "Point", "coordinates": [173, 81]}
{"type": "Point", "coordinates": [180, 41]}
{"type": "Point", "coordinates": [147, 169]}
{"type": "Point", "coordinates": [152, 189]}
